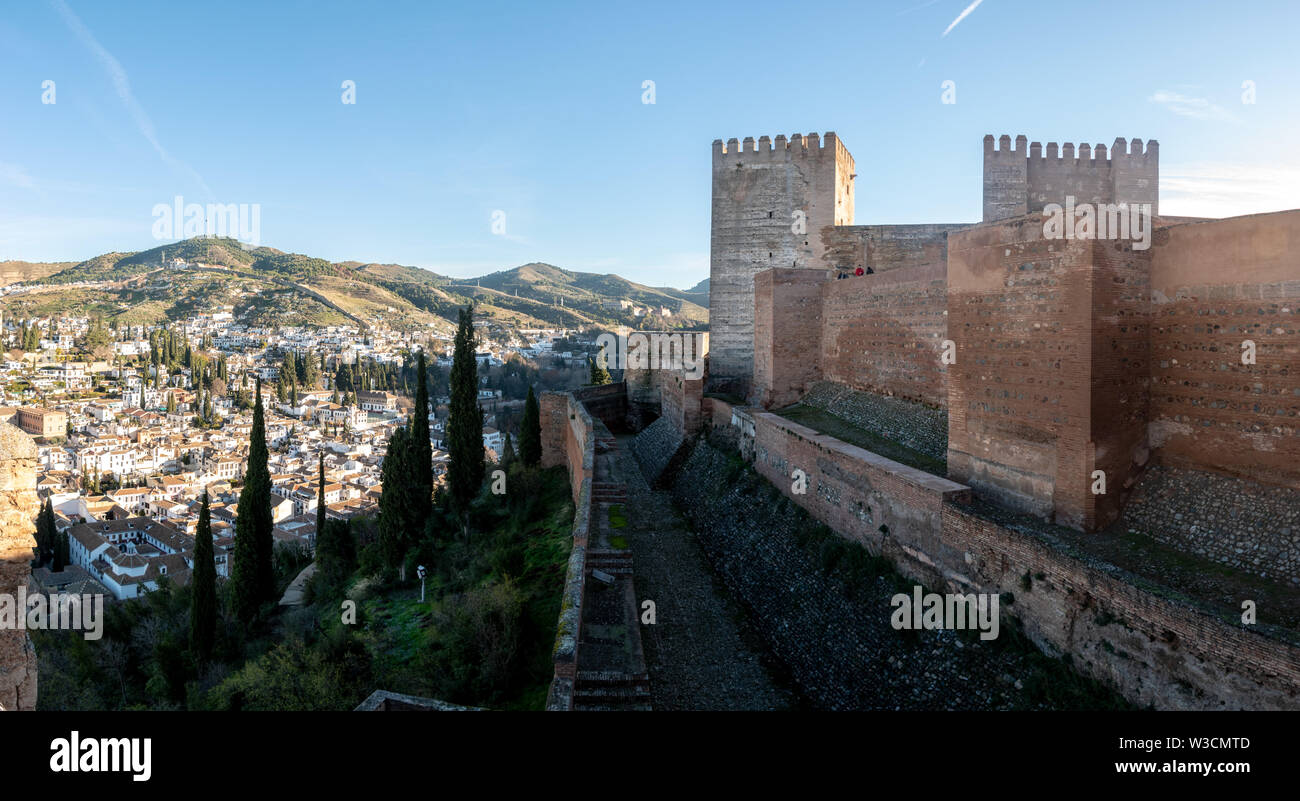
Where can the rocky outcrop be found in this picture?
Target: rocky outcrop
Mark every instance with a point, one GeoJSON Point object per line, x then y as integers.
{"type": "Point", "coordinates": [19, 506]}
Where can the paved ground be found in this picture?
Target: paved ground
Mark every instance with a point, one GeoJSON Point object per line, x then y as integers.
{"type": "Point", "coordinates": [701, 653]}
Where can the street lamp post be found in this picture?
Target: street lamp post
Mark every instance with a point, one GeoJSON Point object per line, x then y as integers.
{"type": "Point", "coordinates": [421, 572]}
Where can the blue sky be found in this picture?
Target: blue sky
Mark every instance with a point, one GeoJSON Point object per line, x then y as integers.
{"type": "Point", "coordinates": [535, 110]}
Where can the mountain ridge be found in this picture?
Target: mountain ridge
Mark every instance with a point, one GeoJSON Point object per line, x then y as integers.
{"type": "Point", "coordinates": [531, 295]}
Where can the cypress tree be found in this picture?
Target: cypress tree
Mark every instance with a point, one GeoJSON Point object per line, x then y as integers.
{"type": "Point", "coordinates": [597, 374]}
{"type": "Point", "coordinates": [465, 419]}
{"type": "Point", "coordinates": [508, 452]}
{"type": "Point", "coordinates": [63, 548]}
{"type": "Point", "coordinates": [320, 500]}
{"type": "Point", "coordinates": [46, 533]}
{"type": "Point", "coordinates": [530, 432]}
{"type": "Point", "coordinates": [203, 601]}
{"type": "Point", "coordinates": [395, 499]}
{"type": "Point", "coordinates": [324, 548]}
{"type": "Point", "coordinates": [421, 450]}
{"type": "Point", "coordinates": [343, 545]}
{"type": "Point", "coordinates": [335, 549]}
{"type": "Point", "coordinates": [253, 577]}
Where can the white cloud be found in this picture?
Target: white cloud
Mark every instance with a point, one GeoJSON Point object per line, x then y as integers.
{"type": "Point", "coordinates": [1224, 189]}
{"type": "Point", "coordinates": [123, 87]}
{"type": "Point", "coordinates": [16, 176]}
{"type": "Point", "coordinates": [963, 15]}
{"type": "Point", "coordinates": [1197, 108]}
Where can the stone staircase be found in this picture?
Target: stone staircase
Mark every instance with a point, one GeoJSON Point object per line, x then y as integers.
{"type": "Point", "coordinates": [611, 691]}
{"type": "Point", "coordinates": [608, 492]}
{"type": "Point", "coordinates": [614, 562]}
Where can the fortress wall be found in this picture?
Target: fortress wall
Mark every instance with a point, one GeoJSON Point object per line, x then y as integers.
{"type": "Point", "coordinates": [886, 247]}
{"type": "Point", "coordinates": [1120, 371]}
{"type": "Point", "coordinates": [1135, 172]}
{"type": "Point", "coordinates": [19, 506]}
{"type": "Point", "coordinates": [607, 403]}
{"type": "Point", "coordinates": [787, 332]}
{"type": "Point", "coordinates": [1051, 179]}
{"type": "Point", "coordinates": [1214, 285]}
{"type": "Point", "coordinates": [1006, 178]}
{"type": "Point", "coordinates": [1154, 650]}
{"type": "Point", "coordinates": [757, 190]}
{"type": "Point", "coordinates": [644, 394]}
{"type": "Point", "coordinates": [682, 400]}
{"type": "Point", "coordinates": [1024, 178]}
{"type": "Point", "coordinates": [568, 630]}
{"type": "Point", "coordinates": [884, 332]}
{"type": "Point", "coordinates": [861, 495]}
{"type": "Point", "coordinates": [568, 438]}
{"type": "Point", "coordinates": [1019, 312]}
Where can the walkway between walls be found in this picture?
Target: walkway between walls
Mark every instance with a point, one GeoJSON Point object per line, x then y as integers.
{"type": "Point", "coordinates": [701, 652]}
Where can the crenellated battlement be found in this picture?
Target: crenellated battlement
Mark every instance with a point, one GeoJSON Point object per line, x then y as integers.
{"type": "Point", "coordinates": [1023, 178]}
{"type": "Point", "coordinates": [1001, 149]}
{"type": "Point", "coordinates": [772, 199]}
{"type": "Point", "coordinates": [797, 145]}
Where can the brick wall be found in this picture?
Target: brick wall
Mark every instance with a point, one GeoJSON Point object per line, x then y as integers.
{"type": "Point", "coordinates": [884, 332]}
{"type": "Point", "coordinates": [1153, 649]}
{"type": "Point", "coordinates": [682, 399]}
{"type": "Point", "coordinates": [1019, 312]}
{"type": "Point", "coordinates": [607, 403]}
{"type": "Point", "coordinates": [787, 330]}
{"type": "Point", "coordinates": [567, 437]}
{"type": "Point", "coordinates": [1214, 285]}
{"type": "Point", "coordinates": [859, 494]}
{"type": "Point", "coordinates": [886, 247]}
{"type": "Point", "coordinates": [1120, 372]}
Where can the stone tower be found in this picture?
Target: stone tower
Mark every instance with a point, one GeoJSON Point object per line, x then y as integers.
{"type": "Point", "coordinates": [770, 203]}
{"type": "Point", "coordinates": [1022, 180]}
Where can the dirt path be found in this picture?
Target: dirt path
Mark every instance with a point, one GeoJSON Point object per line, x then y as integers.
{"type": "Point", "coordinates": [293, 593]}
{"type": "Point", "coordinates": [701, 652]}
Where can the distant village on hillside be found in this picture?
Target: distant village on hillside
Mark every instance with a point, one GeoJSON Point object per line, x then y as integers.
{"type": "Point", "coordinates": [134, 423]}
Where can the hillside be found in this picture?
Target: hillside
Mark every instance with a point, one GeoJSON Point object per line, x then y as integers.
{"type": "Point", "coordinates": [269, 286]}
{"type": "Point", "coordinates": [601, 297]}
{"type": "Point", "coordinates": [16, 272]}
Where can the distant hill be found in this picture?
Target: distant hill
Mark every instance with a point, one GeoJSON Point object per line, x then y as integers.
{"type": "Point", "coordinates": [601, 297]}
{"type": "Point", "coordinates": [17, 272]}
{"type": "Point", "coordinates": [702, 288]}
{"type": "Point", "coordinates": [271, 286]}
